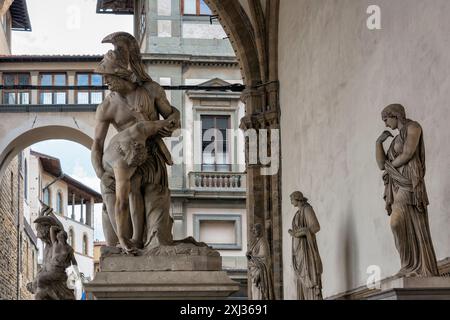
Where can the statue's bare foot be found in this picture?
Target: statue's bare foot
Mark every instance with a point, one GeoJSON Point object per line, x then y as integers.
{"type": "Point", "coordinates": [137, 243]}
{"type": "Point", "coordinates": [127, 246]}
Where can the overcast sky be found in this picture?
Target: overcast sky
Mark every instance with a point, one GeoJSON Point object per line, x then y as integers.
{"type": "Point", "coordinates": [69, 27]}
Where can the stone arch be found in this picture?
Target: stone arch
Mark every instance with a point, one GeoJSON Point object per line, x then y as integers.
{"type": "Point", "coordinates": [238, 28]}
{"type": "Point", "coordinates": [23, 137]}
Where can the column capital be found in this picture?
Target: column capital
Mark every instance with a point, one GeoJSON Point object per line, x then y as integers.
{"type": "Point", "coordinates": [252, 92]}
{"type": "Point", "coordinates": [262, 120]}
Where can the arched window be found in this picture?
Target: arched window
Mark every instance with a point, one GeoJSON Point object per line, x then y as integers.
{"type": "Point", "coordinates": [46, 196]}
{"type": "Point", "coordinates": [59, 203]}
{"type": "Point", "coordinates": [72, 238]}
{"type": "Point", "coordinates": [25, 179]}
{"type": "Point", "coordinates": [85, 245]}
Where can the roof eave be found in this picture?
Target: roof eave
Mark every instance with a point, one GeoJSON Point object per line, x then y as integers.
{"type": "Point", "coordinates": [20, 17]}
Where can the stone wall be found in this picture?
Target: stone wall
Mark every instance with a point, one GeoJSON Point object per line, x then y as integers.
{"type": "Point", "coordinates": [28, 269]}
{"type": "Point", "coordinates": [336, 76]}
{"type": "Point", "coordinates": [8, 232]}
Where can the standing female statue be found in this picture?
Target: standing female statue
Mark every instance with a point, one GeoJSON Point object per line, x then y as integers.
{"type": "Point", "coordinates": [305, 252]}
{"type": "Point", "coordinates": [405, 193]}
{"type": "Point", "coordinates": [260, 266]}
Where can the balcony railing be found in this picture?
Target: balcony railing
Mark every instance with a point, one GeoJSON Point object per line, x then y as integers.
{"type": "Point", "coordinates": [217, 181]}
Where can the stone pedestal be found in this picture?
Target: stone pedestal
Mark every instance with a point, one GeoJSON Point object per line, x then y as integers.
{"type": "Point", "coordinates": [437, 288]}
{"type": "Point", "coordinates": [161, 277]}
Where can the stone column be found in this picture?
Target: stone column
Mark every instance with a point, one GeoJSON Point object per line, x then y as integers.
{"type": "Point", "coordinates": [73, 206]}
{"type": "Point", "coordinates": [82, 210]}
{"type": "Point", "coordinates": [263, 201]}
{"type": "Point", "coordinates": [34, 80]}
{"type": "Point", "coordinates": [89, 210]}
{"type": "Point", "coordinates": [71, 81]}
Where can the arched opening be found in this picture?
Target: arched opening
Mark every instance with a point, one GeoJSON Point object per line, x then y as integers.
{"type": "Point", "coordinates": [85, 245]}
{"type": "Point", "coordinates": [71, 238]}
{"type": "Point", "coordinates": [23, 137]}
{"type": "Point", "coordinates": [47, 197]}
{"type": "Point", "coordinates": [59, 203]}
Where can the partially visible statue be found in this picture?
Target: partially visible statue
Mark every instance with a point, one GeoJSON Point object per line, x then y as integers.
{"type": "Point", "coordinates": [259, 264]}
{"type": "Point", "coordinates": [405, 193]}
{"type": "Point", "coordinates": [51, 281]}
{"type": "Point", "coordinates": [305, 252]}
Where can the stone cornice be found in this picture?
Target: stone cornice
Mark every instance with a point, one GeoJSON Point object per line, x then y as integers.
{"type": "Point", "coordinates": [213, 95]}
{"type": "Point", "coordinates": [224, 61]}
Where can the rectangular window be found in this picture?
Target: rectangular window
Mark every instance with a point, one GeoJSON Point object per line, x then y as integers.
{"type": "Point", "coordinates": [48, 96]}
{"type": "Point", "coordinates": [218, 232]}
{"type": "Point", "coordinates": [222, 232]}
{"type": "Point", "coordinates": [164, 7]}
{"type": "Point", "coordinates": [215, 144]}
{"type": "Point", "coordinates": [195, 8]}
{"type": "Point", "coordinates": [89, 96]}
{"type": "Point", "coordinates": [16, 96]}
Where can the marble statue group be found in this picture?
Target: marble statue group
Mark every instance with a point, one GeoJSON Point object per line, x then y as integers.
{"type": "Point", "coordinates": [134, 183]}
{"type": "Point", "coordinates": [51, 280]}
{"type": "Point", "coordinates": [135, 189]}
{"type": "Point", "coordinates": [132, 168]}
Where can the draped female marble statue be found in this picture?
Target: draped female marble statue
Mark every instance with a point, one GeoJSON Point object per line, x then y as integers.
{"type": "Point", "coordinates": [259, 264]}
{"type": "Point", "coordinates": [405, 193]}
{"type": "Point", "coordinates": [305, 253]}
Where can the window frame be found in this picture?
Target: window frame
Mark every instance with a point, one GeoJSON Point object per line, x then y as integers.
{"type": "Point", "coordinates": [53, 74]}
{"type": "Point", "coordinates": [16, 91]}
{"type": "Point", "coordinates": [237, 218]}
{"type": "Point", "coordinates": [227, 140]}
{"type": "Point", "coordinates": [197, 10]}
{"type": "Point", "coordinates": [49, 196]}
{"type": "Point", "coordinates": [89, 74]}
